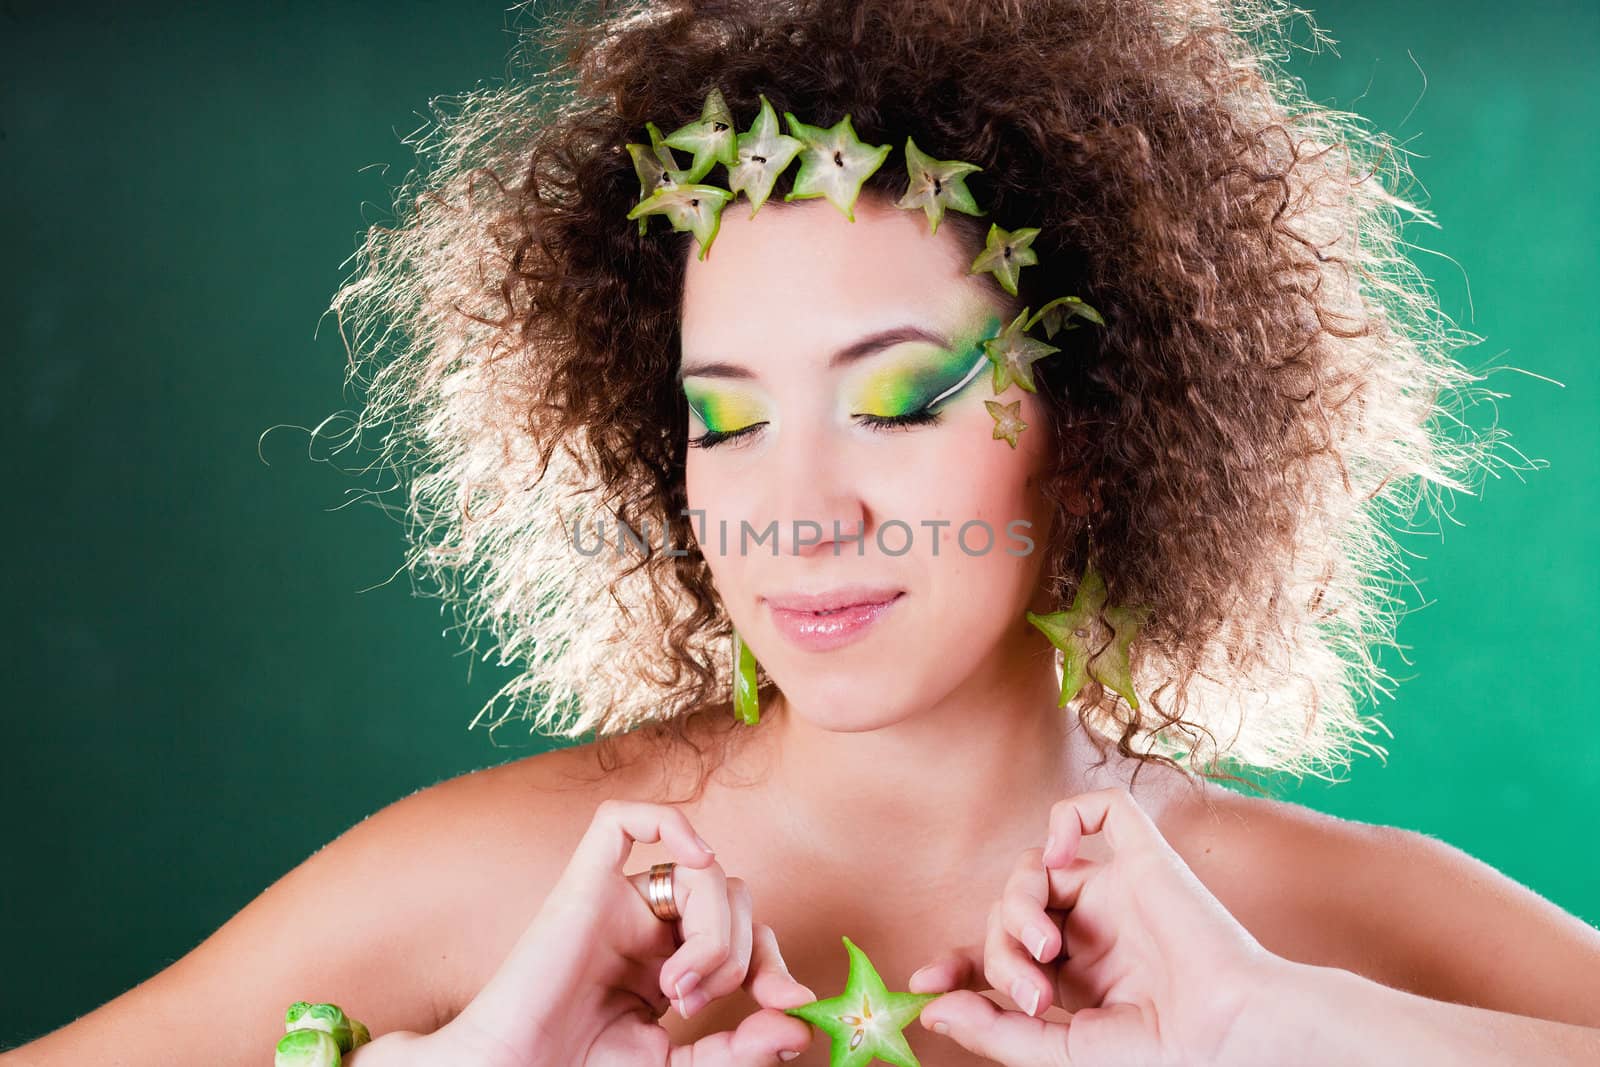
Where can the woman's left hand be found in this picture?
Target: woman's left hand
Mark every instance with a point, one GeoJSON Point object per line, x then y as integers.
{"type": "Point", "coordinates": [1163, 973]}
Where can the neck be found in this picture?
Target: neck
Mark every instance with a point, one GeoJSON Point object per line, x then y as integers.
{"type": "Point", "coordinates": [973, 774]}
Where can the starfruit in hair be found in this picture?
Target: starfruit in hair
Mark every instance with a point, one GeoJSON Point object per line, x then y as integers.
{"type": "Point", "coordinates": [696, 208]}
{"type": "Point", "coordinates": [711, 137]}
{"type": "Point", "coordinates": [656, 168]}
{"type": "Point", "coordinates": [937, 184]}
{"type": "Point", "coordinates": [833, 163]}
{"type": "Point", "coordinates": [1005, 253]}
{"type": "Point", "coordinates": [764, 151]}
{"type": "Point", "coordinates": [1055, 314]}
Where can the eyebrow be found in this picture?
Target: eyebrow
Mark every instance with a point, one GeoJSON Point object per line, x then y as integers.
{"type": "Point", "coordinates": [865, 346]}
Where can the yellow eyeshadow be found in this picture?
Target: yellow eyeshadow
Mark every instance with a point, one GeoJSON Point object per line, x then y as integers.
{"type": "Point", "coordinates": [911, 383]}
{"type": "Point", "coordinates": [723, 410]}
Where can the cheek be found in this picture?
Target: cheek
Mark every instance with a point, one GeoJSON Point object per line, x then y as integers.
{"type": "Point", "coordinates": [712, 499]}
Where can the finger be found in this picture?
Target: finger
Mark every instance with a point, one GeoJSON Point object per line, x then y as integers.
{"type": "Point", "coordinates": [1007, 966]}
{"type": "Point", "coordinates": [1023, 904]}
{"type": "Point", "coordinates": [705, 926]}
{"type": "Point", "coordinates": [975, 1023]}
{"type": "Point", "coordinates": [763, 1039]}
{"type": "Point", "coordinates": [720, 980]}
{"type": "Point", "coordinates": [617, 824]}
{"type": "Point", "coordinates": [960, 968]}
{"type": "Point", "coordinates": [1112, 811]}
{"type": "Point", "coordinates": [770, 982]}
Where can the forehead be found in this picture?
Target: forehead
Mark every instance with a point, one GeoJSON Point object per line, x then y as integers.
{"type": "Point", "coordinates": [802, 273]}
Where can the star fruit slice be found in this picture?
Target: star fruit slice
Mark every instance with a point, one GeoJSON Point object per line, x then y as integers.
{"type": "Point", "coordinates": [744, 682]}
{"type": "Point", "coordinates": [833, 163]}
{"type": "Point", "coordinates": [711, 137]}
{"type": "Point", "coordinates": [1005, 253]}
{"type": "Point", "coordinates": [697, 208]}
{"type": "Point", "coordinates": [1014, 353]}
{"type": "Point", "coordinates": [763, 153]}
{"type": "Point", "coordinates": [1007, 420]}
{"type": "Point", "coordinates": [866, 1020]}
{"type": "Point", "coordinates": [656, 168]}
{"type": "Point", "coordinates": [1056, 313]}
{"type": "Point", "coordinates": [937, 184]}
{"type": "Point", "coordinates": [1080, 633]}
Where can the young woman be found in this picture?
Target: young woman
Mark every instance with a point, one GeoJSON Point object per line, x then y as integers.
{"type": "Point", "coordinates": [934, 614]}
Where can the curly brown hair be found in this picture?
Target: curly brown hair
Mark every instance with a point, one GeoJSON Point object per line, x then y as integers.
{"type": "Point", "coordinates": [1272, 381]}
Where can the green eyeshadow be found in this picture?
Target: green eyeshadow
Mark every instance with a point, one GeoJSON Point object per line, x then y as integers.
{"type": "Point", "coordinates": [723, 410]}
{"type": "Point", "coordinates": [928, 376]}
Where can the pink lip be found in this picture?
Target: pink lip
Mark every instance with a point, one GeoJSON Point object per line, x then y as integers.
{"type": "Point", "coordinates": [850, 618]}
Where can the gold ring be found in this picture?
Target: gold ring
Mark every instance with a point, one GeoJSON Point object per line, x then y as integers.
{"type": "Point", "coordinates": [662, 901]}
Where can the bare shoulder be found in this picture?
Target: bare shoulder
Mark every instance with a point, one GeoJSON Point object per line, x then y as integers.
{"type": "Point", "coordinates": [1400, 907]}
{"type": "Point", "coordinates": [504, 835]}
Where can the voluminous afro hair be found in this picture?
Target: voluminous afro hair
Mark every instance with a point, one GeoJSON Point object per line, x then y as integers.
{"type": "Point", "coordinates": [1272, 383]}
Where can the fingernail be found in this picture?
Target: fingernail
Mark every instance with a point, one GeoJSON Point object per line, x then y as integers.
{"type": "Point", "coordinates": [702, 843]}
{"type": "Point", "coordinates": [685, 984]}
{"type": "Point", "coordinates": [787, 1055]}
{"type": "Point", "coordinates": [1027, 999]}
{"type": "Point", "coordinates": [693, 1003]}
{"type": "Point", "coordinates": [1036, 941]}
{"type": "Point", "coordinates": [1048, 842]}
{"type": "Point", "coordinates": [941, 1027]}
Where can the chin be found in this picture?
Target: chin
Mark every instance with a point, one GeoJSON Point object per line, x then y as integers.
{"type": "Point", "coordinates": [851, 705]}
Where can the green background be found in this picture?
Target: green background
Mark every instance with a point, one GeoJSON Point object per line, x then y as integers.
{"type": "Point", "coordinates": [211, 673]}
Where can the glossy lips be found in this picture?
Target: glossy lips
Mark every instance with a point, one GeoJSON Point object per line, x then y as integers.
{"type": "Point", "coordinates": [819, 622]}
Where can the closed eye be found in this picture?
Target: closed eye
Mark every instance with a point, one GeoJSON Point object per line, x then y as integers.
{"type": "Point", "coordinates": [926, 416]}
{"type": "Point", "coordinates": [886, 423]}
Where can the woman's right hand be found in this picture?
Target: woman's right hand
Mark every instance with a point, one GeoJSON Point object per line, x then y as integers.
{"type": "Point", "coordinates": [596, 969]}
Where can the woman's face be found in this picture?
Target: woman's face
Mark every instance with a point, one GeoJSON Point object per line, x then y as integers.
{"type": "Point", "coordinates": [773, 320]}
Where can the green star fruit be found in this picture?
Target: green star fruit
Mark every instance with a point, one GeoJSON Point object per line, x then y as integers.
{"type": "Point", "coordinates": [866, 1021]}
{"type": "Point", "coordinates": [656, 168]}
{"type": "Point", "coordinates": [744, 682]}
{"type": "Point", "coordinates": [711, 137]}
{"type": "Point", "coordinates": [697, 208]}
{"type": "Point", "coordinates": [1062, 308]}
{"type": "Point", "coordinates": [1014, 353]}
{"type": "Point", "coordinates": [833, 163]}
{"type": "Point", "coordinates": [1007, 421]}
{"type": "Point", "coordinates": [1005, 253]}
{"type": "Point", "coordinates": [763, 154]}
{"type": "Point", "coordinates": [937, 184]}
{"type": "Point", "coordinates": [1081, 633]}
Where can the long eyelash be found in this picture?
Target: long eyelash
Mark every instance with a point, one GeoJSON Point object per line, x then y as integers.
{"type": "Point", "coordinates": [927, 416]}
{"type": "Point", "coordinates": [713, 438]}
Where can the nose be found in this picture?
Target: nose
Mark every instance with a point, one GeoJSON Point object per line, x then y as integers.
{"type": "Point", "coordinates": [815, 499]}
